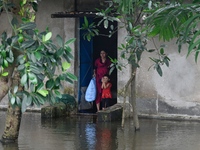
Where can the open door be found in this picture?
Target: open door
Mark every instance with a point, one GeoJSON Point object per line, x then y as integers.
{"type": "Point", "coordinates": [89, 51]}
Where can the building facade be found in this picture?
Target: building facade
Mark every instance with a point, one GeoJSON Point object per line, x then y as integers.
{"type": "Point", "coordinates": [175, 93]}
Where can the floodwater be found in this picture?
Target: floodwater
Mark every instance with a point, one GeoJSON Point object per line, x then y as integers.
{"type": "Point", "coordinates": [85, 133]}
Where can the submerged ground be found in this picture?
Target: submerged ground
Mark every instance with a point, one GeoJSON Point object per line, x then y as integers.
{"type": "Point", "coordinates": [85, 133]}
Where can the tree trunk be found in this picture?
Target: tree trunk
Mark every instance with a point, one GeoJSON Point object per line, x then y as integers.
{"type": "Point", "coordinates": [13, 119]}
{"type": "Point", "coordinates": [133, 99]}
{"type": "Point", "coordinates": [123, 111]}
{"type": "Point", "coordinates": [131, 81]}
{"type": "Point", "coordinates": [12, 125]}
{"type": "Point", "coordinates": [14, 114]}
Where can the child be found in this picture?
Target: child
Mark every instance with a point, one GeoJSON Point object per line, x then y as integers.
{"type": "Point", "coordinates": [106, 91]}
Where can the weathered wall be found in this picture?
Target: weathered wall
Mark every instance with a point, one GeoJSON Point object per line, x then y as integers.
{"type": "Point", "coordinates": [176, 92]}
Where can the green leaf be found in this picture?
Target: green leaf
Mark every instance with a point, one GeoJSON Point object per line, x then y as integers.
{"type": "Point", "coordinates": [43, 92]}
{"type": "Point", "coordinates": [57, 82]}
{"type": "Point", "coordinates": [66, 65]}
{"type": "Point", "coordinates": [72, 40]}
{"type": "Point", "coordinates": [27, 44]}
{"type": "Point", "coordinates": [162, 51]}
{"type": "Point", "coordinates": [15, 89]}
{"type": "Point", "coordinates": [4, 74]}
{"type": "Point", "coordinates": [159, 70]}
{"type": "Point", "coordinates": [33, 78]}
{"type": "Point", "coordinates": [39, 86]}
{"type": "Point", "coordinates": [29, 100]}
{"type": "Point", "coordinates": [21, 67]}
{"type": "Point", "coordinates": [72, 76]}
{"type": "Point", "coordinates": [166, 61]}
{"type": "Point", "coordinates": [40, 99]}
{"type": "Point", "coordinates": [27, 26]}
{"type": "Point", "coordinates": [130, 25]}
{"type": "Point", "coordinates": [38, 55]}
{"type": "Point", "coordinates": [10, 60]}
{"type": "Point", "coordinates": [24, 106]}
{"type": "Point", "coordinates": [50, 84]}
{"type": "Point", "coordinates": [59, 40]}
{"type": "Point", "coordinates": [32, 87]}
{"type": "Point", "coordinates": [105, 23]}
{"type": "Point", "coordinates": [192, 46]}
{"type": "Point", "coordinates": [4, 36]}
{"type": "Point", "coordinates": [24, 79]}
{"type": "Point", "coordinates": [35, 101]}
{"type": "Point", "coordinates": [33, 58]}
{"type": "Point", "coordinates": [18, 100]}
{"type": "Point", "coordinates": [14, 21]}
{"type": "Point", "coordinates": [111, 70]}
{"type": "Point", "coordinates": [12, 101]}
{"type": "Point", "coordinates": [3, 53]}
{"type": "Point", "coordinates": [151, 50]}
{"type": "Point", "coordinates": [47, 36]}
{"type": "Point", "coordinates": [60, 52]}
{"type": "Point", "coordinates": [58, 94]}
{"type": "Point", "coordinates": [86, 21]}
{"type": "Point", "coordinates": [36, 70]}
{"type": "Point", "coordinates": [52, 98]}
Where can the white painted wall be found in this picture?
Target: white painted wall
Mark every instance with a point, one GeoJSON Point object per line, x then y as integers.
{"type": "Point", "coordinates": [176, 92]}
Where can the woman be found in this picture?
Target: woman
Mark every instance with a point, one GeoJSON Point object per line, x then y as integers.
{"type": "Point", "coordinates": [101, 67]}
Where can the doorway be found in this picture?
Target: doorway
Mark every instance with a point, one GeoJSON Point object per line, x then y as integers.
{"type": "Point", "coordinates": [88, 52]}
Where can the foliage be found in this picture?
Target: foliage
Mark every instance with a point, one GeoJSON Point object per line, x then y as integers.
{"type": "Point", "coordinates": [180, 21]}
{"type": "Point", "coordinates": [38, 61]}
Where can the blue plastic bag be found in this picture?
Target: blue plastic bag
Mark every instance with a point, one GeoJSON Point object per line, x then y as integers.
{"type": "Point", "coordinates": [90, 94]}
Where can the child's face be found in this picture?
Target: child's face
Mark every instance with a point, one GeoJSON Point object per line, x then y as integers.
{"type": "Point", "coordinates": [106, 79]}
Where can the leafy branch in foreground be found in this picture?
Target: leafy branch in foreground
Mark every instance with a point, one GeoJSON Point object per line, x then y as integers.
{"type": "Point", "coordinates": [180, 21]}
{"type": "Point", "coordinates": [37, 59]}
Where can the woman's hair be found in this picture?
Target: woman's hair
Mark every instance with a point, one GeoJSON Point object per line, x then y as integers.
{"type": "Point", "coordinates": [104, 51]}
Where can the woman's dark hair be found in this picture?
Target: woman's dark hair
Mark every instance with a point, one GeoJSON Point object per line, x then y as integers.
{"type": "Point", "coordinates": [104, 51]}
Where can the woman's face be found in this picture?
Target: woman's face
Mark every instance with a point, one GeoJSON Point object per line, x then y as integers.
{"type": "Point", "coordinates": [103, 54]}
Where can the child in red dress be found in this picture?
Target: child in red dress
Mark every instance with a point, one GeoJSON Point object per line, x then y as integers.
{"type": "Point", "coordinates": [106, 91]}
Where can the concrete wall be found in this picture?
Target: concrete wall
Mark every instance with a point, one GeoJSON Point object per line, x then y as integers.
{"type": "Point", "coordinates": [176, 92]}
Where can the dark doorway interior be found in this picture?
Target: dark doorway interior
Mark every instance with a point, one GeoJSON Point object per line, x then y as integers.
{"type": "Point", "coordinates": [103, 42]}
{"type": "Point", "coordinates": [92, 49]}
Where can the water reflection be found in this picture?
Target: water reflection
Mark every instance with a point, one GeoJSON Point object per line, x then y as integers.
{"type": "Point", "coordinates": [86, 133]}
{"type": "Point", "coordinates": [90, 136]}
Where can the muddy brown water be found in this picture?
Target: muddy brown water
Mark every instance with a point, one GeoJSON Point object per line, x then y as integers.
{"type": "Point", "coordinates": [85, 133]}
